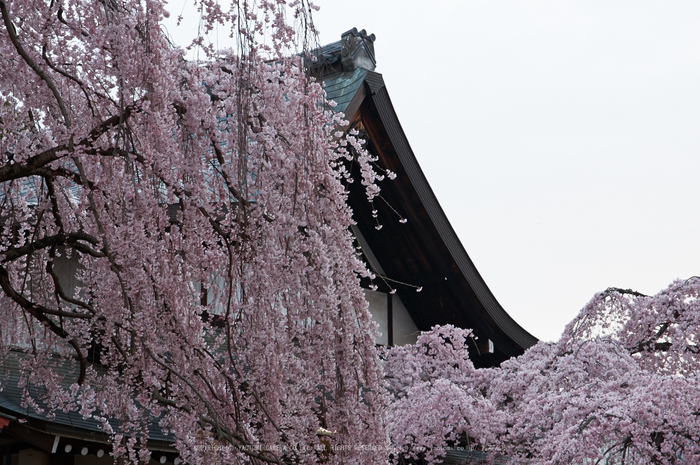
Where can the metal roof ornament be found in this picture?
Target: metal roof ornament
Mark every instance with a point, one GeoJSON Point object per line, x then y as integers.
{"type": "Point", "coordinates": [357, 50]}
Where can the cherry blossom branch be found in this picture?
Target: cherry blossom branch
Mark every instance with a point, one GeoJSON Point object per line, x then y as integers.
{"type": "Point", "coordinates": [27, 59]}
{"type": "Point", "coordinates": [58, 288]}
{"type": "Point", "coordinates": [39, 313]}
{"type": "Point", "coordinates": [105, 242]}
{"type": "Point", "coordinates": [81, 85]}
{"type": "Point", "coordinates": [222, 163]}
{"type": "Point", "coordinates": [50, 241]}
{"type": "Point", "coordinates": [618, 290]}
{"type": "Point", "coordinates": [55, 209]}
{"type": "Point", "coordinates": [236, 440]}
{"type": "Point", "coordinates": [32, 164]}
{"type": "Point", "coordinates": [51, 173]}
{"type": "Point", "coordinates": [60, 17]}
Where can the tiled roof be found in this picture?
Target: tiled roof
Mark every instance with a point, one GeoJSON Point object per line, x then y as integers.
{"type": "Point", "coordinates": [88, 428]}
{"type": "Point", "coordinates": [342, 88]}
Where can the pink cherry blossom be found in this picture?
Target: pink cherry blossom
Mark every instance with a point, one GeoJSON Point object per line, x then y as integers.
{"type": "Point", "coordinates": [621, 386]}
{"type": "Point", "coordinates": [179, 232]}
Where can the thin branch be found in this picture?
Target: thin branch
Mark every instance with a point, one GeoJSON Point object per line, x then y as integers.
{"type": "Point", "coordinates": [52, 173]}
{"type": "Point", "coordinates": [54, 203]}
{"type": "Point", "coordinates": [11, 31]}
{"type": "Point", "coordinates": [80, 83]}
{"type": "Point", "coordinates": [63, 20]}
{"type": "Point", "coordinates": [48, 241]}
{"type": "Point", "coordinates": [586, 423]}
{"type": "Point", "coordinates": [236, 439]}
{"type": "Point", "coordinates": [222, 162]}
{"type": "Point", "coordinates": [619, 290]}
{"type": "Point", "coordinates": [39, 313]}
{"type": "Point", "coordinates": [62, 294]}
{"type": "Point", "coordinates": [32, 164]}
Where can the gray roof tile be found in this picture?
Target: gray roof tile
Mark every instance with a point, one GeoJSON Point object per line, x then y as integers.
{"type": "Point", "coordinates": [342, 88]}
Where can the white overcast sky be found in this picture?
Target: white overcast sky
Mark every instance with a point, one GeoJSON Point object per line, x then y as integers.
{"type": "Point", "coordinates": [562, 138]}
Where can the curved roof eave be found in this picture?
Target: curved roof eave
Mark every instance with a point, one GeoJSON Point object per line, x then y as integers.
{"type": "Point", "coordinates": [408, 161]}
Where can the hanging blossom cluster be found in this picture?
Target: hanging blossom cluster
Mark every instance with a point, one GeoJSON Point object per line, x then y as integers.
{"type": "Point", "coordinates": [437, 399]}
{"type": "Point", "coordinates": [620, 387]}
{"type": "Point", "coordinates": [179, 233]}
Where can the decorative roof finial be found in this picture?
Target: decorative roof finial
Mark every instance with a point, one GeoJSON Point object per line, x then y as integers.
{"type": "Point", "coordinates": [357, 50]}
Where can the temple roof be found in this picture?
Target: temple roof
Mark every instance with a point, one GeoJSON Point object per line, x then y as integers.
{"type": "Point", "coordinates": [424, 252]}
{"type": "Point", "coordinates": [44, 425]}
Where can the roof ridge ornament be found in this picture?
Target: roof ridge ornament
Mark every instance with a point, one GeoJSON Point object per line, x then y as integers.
{"type": "Point", "coordinates": [357, 50]}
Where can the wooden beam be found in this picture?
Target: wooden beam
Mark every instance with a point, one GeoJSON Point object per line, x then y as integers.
{"type": "Point", "coordinates": [390, 319]}
{"type": "Point", "coordinates": [485, 346]}
{"type": "Point", "coordinates": [37, 439]}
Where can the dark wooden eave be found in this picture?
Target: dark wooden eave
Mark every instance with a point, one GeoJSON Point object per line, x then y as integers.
{"type": "Point", "coordinates": [425, 251]}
